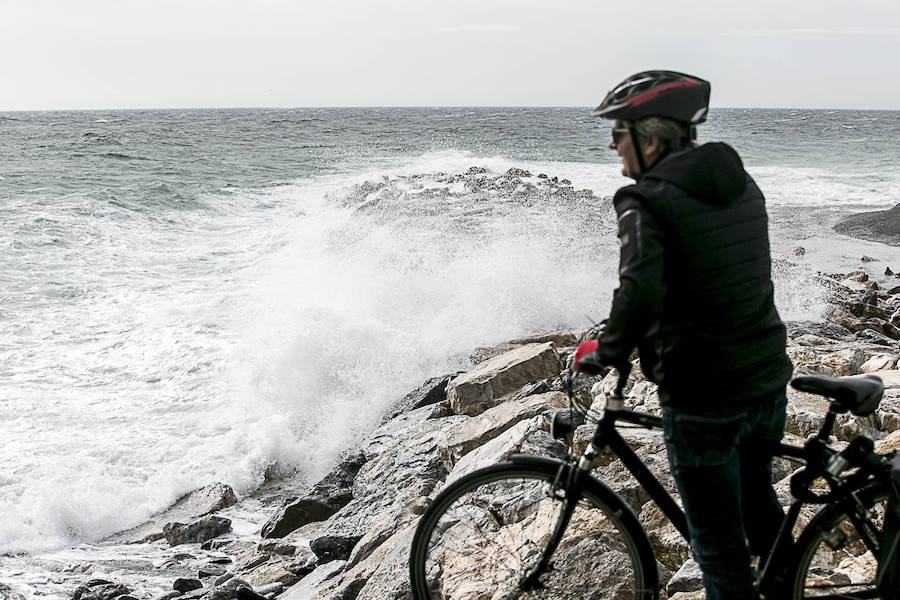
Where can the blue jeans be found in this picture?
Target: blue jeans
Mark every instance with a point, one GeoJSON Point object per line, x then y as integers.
{"type": "Point", "coordinates": [722, 465]}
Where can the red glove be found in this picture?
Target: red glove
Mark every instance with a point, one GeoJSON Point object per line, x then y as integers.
{"type": "Point", "coordinates": [586, 358]}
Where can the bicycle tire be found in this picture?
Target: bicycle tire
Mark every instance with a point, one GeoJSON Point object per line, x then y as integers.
{"type": "Point", "coordinates": [832, 558]}
{"type": "Point", "coordinates": [481, 534]}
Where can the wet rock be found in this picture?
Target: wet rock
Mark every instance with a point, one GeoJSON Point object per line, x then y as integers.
{"type": "Point", "coordinates": [432, 391]}
{"type": "Point", "coordinates": [895, 318]}
{"type": "Point", "coordinates": [560, 339]}
{"type": "Point", "coordinates": [307, 587]}
{"type": "Point", "coordinates": [277, 546]}
{"type": "Point", "coordinates": [488, 383]}
{"type": "Point", "coordinates": [385, 530]}
{"type": "Point", "coordinates": [333, 547]}
{"type": "Point", "coordinates": [516, 172]}
{"type": "Point", "coordinates": [476, 171]}
{"type": "Point", "coordinates": [100, 589]}
{"type": "Point", "coordinates": [196, 532]}
{"type": "Point", "coordinates": [184, 585]}
{"type": "Point", "coordinates": [7, 593]}
{"type": "Point", "coordinates": [793, 252]}
{"type": "Point", "coordinates": [198, 503]}
{"type": "Point", "coordinates": [829, 331]}
{"type": "Point", "coordinates": [270, 590]}
{"type": "Point", "coordinates": [324, 499]}
{"type": "Point", "coordinates": [403, 465]}
{"type": "Point", "coordinates": [211, 570]}
{"type": "Point", "coordinates": [232, 547]}
{"type": "Point", "coordinates": [873, 337]}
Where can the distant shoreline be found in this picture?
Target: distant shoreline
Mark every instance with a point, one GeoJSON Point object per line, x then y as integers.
{"type": "Point", "coordinates": [878, 226]}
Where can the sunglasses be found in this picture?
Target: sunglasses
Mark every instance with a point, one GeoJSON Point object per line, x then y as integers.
{"type": "Point", "coordinates": [617, 134]}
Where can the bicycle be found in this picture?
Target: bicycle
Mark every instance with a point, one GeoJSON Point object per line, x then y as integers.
{"type": "Point", "coordinates": [538, 527]}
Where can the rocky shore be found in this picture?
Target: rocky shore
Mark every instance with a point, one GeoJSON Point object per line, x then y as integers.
{"type": "Point", "coordinates": [879, 226]}
{"type": "Point", "coordinates": [348, 535]}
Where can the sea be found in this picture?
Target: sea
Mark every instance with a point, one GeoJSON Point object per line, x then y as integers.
{"type": "Point", "coordinates": [199, 296]}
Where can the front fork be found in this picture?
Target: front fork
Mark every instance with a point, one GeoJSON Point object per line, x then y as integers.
{"type": "Point", "coordinates": [566, 487]}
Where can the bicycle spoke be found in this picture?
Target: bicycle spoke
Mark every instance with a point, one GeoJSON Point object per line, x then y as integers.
{"type": "Point", "coordinates": [487, 538]}
{"type": "Point", "coordinates": [838, 561]}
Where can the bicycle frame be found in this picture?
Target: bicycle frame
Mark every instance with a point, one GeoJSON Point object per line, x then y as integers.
{"type": "Point", "coordinates": [815, 452]}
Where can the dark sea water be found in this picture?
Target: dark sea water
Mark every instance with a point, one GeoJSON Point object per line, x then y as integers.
{"type": "Point", "coordinates": [202, 295]}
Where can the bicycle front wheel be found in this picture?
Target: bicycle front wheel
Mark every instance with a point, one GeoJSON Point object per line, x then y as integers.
{"type": "Point", "coordinates": [838, 555]}
{"type": "Point", "coordinates": [483, 533]}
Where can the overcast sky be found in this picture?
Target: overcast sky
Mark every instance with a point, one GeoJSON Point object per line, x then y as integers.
{"type": "Point", "coordinates": [80, 54]}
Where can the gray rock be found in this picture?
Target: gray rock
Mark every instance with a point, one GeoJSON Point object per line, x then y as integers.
{"type": "Point", "coordinates": [7, 593]}
{"type": "Point", "coordinates": [460, 438]}
{"type": "Point", "coordinates": [688, 578]}
{"type": "Point", "coordinates": [333, 547]}
{"type": "Point", "coordinates": [432, 391]}
{"type": "Point", "coordinates": [199, 503]}
{"type": "Point", "coordinates": [211, 570]}
{"type": "Point", "coordinates": [516, 172]}
{"type": "Point", "coordinates": [197, 532]}
{"type": "Point", "coordinates": [186, 585]}
{"type": "Point", "coordinates": [271, 589]}
{"type": "Point", "coordinates": [500, 448]}
{"type": "Point", "coordinates": [828, 330]}
{"type": "Point", "coordinates": [99, 589]}
{"type": "Point", "coordinates": [306, 588]}
{"type": "Point", "coordinates": [324, 499]}
{"type": "Point", "coordinates": [488, 383]}
{"type": "Point", "coordinates": [404, 465]}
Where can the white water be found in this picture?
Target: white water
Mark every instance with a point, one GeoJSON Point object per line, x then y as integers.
{"type": "Point", "coordinates": [271, 327]}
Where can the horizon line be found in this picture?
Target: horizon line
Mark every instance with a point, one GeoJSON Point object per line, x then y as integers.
{"type": "Point", "coordinates": [426, 106]}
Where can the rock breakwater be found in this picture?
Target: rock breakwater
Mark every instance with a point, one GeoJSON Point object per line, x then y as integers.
{"type": "Point", "coordinates": [348, 535]}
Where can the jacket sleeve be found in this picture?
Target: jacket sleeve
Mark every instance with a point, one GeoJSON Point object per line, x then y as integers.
{"type": "Point", "coordinates": [637, 303]}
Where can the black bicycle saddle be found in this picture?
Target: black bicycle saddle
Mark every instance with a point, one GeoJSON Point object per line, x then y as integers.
{"type": "Point", "coordinates": [859, 395]}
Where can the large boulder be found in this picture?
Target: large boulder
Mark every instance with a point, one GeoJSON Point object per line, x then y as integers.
{"type": "Point", "coordinates": [99, 589]}
{"type": "Point", "coordinates": [462, 437]}
{"type": "Point", "coordinates": [196, 532]}
{"type": "Point", "coordinates": [383, 575]}
{"type": "Point", "coordinates": [490, 382]}
{"type": "Point", "coordinates": [199, 503]}
{"type": "Point", "coordinates": [529, 436]}
{"type": "Point", "coordinates": [432, 391]}
{"type": "Point", "coordinates": [324, 499]}
{"type": "Point", "coordinates": [403, 465]}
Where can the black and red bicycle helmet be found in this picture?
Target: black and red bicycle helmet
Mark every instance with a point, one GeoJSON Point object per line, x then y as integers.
{"type": "Point", "coordinates": [668, 94]}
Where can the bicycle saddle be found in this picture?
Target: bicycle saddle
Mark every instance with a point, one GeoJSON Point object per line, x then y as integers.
{"type": "Point", "coordinates": [859, 395]}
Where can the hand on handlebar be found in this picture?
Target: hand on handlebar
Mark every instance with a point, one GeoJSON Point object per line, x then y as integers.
{"type": "Point", "coordinates": [587, 360]}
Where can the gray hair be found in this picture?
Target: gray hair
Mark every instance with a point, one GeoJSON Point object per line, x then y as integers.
{"type": "Point", "coordinates": [673, 135]}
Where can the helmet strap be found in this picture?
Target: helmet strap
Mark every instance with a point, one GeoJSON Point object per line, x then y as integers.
{"type": "Point", "coordinates": [636, 145]}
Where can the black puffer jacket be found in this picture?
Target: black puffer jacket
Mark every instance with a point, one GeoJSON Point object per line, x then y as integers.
{"type": "Point", "coordinates": [695, 290]}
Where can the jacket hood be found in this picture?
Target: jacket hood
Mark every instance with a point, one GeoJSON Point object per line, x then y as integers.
{"type": "Point", "coordinates": [712, 173]}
